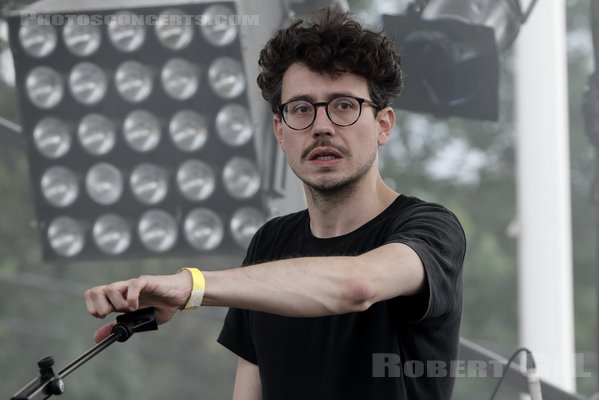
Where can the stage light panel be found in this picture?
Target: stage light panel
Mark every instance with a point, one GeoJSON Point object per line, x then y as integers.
{"type": "Point", "coordinates": [141, 135]}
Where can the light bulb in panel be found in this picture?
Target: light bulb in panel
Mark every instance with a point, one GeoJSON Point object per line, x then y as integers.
{"type": "Point", "coordinates": [204, 230]}
{"type": "Point", "coordinates": [188, 130]}
{"type": "Point", "coordinates": [233, 125]}
{"type": "Point", "coordinates": [226, 77]}
{"type": "Point", "coordinates": [241, 178]}
{"type": "Point", "coordinates": [82, 39]}
{"type": "Point", "coordinates": [38, 39]}
{"type": "Point", "coordinates": [97, 134]}
{"type": "Point", "coordinates": [157, 231]}
{"type": "Point", "coordinates": [87, 83]}
{"type": "Point", "coordinates": [133, 81]}
{"type": "Point", "coordinates": [52, 137]}
{"type": "Point", "coordinates": [65, 236]}
{"type": "Point", "coordinates": [149, 183]}
{"type": "Point", "coordinates": [44, 87]}
{"type": "Point", "coordinates": [124, 34]}
{"type": "Point", "coordinates": [112, 234]}
{"type": "Point", "coordinates": [180, 79]}
{"type": "Point", "coordinates": [104, 183]}
{"type": "Point", "coordinates": [172, 29]}
{"type": "Point", "coordinates": [59, 186]}
{"type": "Point", "coordinates": [196, 180]}
{"type": "Point", "coordinates": [216, 28]}
{"type": "Point", "coordinates": [142, 131]}
{"type": "Point", "coordinates": [244, 224]}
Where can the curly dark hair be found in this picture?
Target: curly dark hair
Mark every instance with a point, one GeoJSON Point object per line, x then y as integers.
{"type": "Point", "coordinates": [331, 42]}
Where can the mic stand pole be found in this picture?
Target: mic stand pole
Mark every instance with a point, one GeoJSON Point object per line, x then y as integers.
{"type": "Point", "coordinates": [49, 383]}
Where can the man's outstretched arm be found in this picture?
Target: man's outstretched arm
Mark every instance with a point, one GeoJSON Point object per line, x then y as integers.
{"type": "Point", "coordinates": [297, 287]}
{"type": "Point", "coordinates": [317, 286]}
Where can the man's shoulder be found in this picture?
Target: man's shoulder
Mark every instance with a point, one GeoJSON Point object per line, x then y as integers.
{"type": "Point", "coordinates": [410, 204]}
{"type": "Point", "coordinates": [410, 211]}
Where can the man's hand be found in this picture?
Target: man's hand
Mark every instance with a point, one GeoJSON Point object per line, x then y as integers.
{"type": "Point", "coordinates": [167, 293]}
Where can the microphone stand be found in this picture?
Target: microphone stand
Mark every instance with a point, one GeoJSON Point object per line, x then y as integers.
{"type": "Point", "coordinates": [49, 383]}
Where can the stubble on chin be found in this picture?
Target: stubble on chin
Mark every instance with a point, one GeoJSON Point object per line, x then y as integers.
{"type": "Point", "coordinates": [334, 191]}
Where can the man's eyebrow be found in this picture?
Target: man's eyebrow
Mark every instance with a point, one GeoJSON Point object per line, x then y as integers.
{"type": "Point", "coordinates": [311, 99]}
{"type": "Point", "coordinates": [301, 97]}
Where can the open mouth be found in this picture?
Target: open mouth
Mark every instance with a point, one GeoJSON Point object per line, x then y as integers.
{"type": "Point", "coordinates": [324, 158]}
{"type": "Point", "coordinates": [323, 154]}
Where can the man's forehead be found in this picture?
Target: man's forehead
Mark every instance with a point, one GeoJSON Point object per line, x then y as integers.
{"type": "Point", "coordinates": [300, 81]}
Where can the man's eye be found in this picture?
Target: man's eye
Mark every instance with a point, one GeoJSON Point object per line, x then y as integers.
{"type": "Point", "coordinates": [301, 109]}
{"type": "Point", "coordinates": [344, 105]}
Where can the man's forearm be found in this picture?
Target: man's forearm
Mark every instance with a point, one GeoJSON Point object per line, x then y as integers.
{"type": "Point", "coordinates": [299, 287]}
{"type": "Point", "coordinates": [317, 286]}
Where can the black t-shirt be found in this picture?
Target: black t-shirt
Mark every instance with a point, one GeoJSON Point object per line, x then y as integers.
{"type": "Point", "coordinates": [400, 348]}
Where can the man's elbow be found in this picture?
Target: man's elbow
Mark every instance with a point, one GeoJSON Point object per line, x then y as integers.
{"type": "Point", "coordinates": [358, 295]}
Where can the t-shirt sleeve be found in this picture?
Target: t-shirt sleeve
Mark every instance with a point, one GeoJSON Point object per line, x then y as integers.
{"type": "Point", "coordinates": [436, 235]}
{"type": "Point", "coordinates": [236, 332]}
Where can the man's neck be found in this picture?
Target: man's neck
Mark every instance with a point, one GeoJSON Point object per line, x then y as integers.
{"type": "Point", "coordinates": [343, 211]}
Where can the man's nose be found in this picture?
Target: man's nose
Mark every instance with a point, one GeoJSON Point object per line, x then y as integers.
{"type": "Point", "coordinates": [322, 124]}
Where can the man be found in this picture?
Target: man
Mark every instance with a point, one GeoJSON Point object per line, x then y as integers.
{"type": "Point", "coordinates": [330, 295]}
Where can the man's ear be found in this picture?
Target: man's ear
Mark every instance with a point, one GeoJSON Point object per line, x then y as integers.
{"type": "Point", "coordinates": [277, 127]}
{"type": "Point", "coordinates": [385, 121]}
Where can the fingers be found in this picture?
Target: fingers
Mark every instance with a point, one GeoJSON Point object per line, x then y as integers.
{"type": "Point", "coordinates": [168, 293]}
{"type": "Point", "coordinates": [97, 303]}
{"type": "Point", "coordinates": [120, 296]}
{"type": "Point", "coordinates": [104, 332]}
{"type": "Point", "coordinates": [134, 290]}
{"type": "Point", "coordinates": [103, 300]}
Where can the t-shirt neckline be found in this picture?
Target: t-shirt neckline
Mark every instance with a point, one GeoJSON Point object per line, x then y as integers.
{"type": "Point", "coordinates": [374, 220]}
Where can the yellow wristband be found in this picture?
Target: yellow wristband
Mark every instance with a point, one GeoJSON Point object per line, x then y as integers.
{"type": "Point", "coordinates": [198, 289]}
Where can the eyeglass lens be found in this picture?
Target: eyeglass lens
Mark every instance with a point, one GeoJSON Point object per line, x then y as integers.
{"type": "Point", "coordinates": [342, 111]}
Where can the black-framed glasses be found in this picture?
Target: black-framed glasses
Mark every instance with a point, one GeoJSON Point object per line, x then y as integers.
{"type": "Point", "coordinates": [341, 110]}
